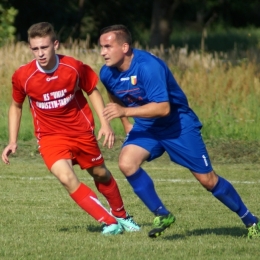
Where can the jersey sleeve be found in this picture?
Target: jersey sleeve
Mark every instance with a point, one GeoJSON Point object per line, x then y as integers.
{"type": "Point", "coordinates": [88, 79]}
{"type": "Point", "coordinates": [155, 82]}
{"type": "Point", "coordinates": [18, 92]}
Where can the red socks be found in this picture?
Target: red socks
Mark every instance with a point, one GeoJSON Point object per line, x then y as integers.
{"type": "Point", "coordinates": [89, 202]}
{"type": "Point", "coordinates": [112, 194]}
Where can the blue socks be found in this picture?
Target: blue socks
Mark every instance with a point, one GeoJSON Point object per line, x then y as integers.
{"type": "Point", "coordinates": [143, 187]}
{"type": "Point", "coordinates": [226, 193]}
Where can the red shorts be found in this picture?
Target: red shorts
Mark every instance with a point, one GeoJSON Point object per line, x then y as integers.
{"type": "Point", "coordinates": [83, 150]}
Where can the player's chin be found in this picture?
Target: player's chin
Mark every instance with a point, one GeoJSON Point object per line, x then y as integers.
{"type": "Point", "coordinates": [43, 64]}
{"type": "Point", "coordinates": [109, 63]}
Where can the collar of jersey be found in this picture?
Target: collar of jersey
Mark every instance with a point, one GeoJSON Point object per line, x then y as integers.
{"type": "Point", "coordinates": [48, 71]}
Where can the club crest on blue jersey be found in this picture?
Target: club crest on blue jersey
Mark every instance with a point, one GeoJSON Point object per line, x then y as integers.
{"type": "Point", "coordinates": [134, 80]}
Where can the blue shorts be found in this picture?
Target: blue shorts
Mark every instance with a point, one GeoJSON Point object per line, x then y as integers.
{"type": "Point", "coordinates": [186, 149]}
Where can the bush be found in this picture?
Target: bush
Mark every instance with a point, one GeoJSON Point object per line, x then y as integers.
{"type": "Point", "coordinates": [7, 30]}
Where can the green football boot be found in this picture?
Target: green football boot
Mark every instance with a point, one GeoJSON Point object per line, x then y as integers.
{"type": "Point", "coordinates": [160, 223]}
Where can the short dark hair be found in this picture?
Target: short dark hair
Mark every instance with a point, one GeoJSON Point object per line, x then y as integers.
{"type": "Point", "coordinates": [42, 29]}
{"type": "Point", "coordinates": [122, 33]}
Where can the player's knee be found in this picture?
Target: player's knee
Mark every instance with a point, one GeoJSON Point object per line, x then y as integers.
{"type": "Point", "coordinates": [99, 173]}
{"type": "Point", "coordinates": [127, 167]}
{"type": "Point", "coordinates": [208, 181]}
{"type": "Point", "coordinates": [208, 185]}
{"type": "Point", "coordinates": [69, 180]}
{"type": "Point", "coordinates": [66, 179]}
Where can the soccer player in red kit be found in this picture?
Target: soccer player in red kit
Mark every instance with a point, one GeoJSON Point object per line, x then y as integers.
{"type": "Point", "coordinates": [64, 126]}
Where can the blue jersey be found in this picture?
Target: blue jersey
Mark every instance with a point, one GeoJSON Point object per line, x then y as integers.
{"type": "Point", "coordinates": [147, 80]}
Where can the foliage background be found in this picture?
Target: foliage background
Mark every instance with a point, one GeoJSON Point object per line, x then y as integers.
{"type": "Point", "coordinates": [223, 24]}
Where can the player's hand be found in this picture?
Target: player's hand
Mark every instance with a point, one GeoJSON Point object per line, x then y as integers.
{"type": "Point", "coordinates": [109, 136]}
{"type": "Point", "coordinates": [11, 148]}
{"type": "Point", "coordinates": [113, 110]}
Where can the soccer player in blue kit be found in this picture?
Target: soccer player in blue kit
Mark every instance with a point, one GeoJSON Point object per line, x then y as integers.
{"type": "Point", "coordinates": [141, 86]}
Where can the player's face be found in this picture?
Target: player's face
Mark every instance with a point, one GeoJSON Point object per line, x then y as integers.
{"type": "Point", "coordinates": [112, 51]}
{"type": "Point", "coordinates": [43, 50]}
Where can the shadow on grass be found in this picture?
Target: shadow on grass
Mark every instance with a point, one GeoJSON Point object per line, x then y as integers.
{"type": "Point", "coordinates": [224, 231]}
{"type": "Point", "coordinates": [90, 228]}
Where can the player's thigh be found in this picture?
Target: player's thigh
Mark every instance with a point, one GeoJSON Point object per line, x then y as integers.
{"type": "Point", "coordinates": [133, 154]}
{"type": "Point", "coordinates": [189, 150]}
{"type": "Point", "coordinates": [131, 158]}
{"type": "Point", "coordinates": [141, 145]}
{"type": "Point", "coordinates": [63, 171]}
{"type": "Point", "coordinates": [61, 167]}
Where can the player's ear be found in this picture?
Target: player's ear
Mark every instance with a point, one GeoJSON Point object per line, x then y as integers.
{"type": "Point", "coordinates": [125, 47]}
{"type": "Point", "coordinates": [56, 45]}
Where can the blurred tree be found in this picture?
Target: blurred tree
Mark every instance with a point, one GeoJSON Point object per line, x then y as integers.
{"type": "Point", "coordinates": [80, 18]}
{"type": "Point", "coordinates": [162, 18]}
{"type": "Point", "coordinates": [151, 22]}
{"type": "Point", "coordinates": [99, 13]}
{"type": "Point", "coordinates": [62, 14]}
{"type": "Point", "coordinates": [7, 17]}
{"type": "Point", "coordinates": [241, 13]}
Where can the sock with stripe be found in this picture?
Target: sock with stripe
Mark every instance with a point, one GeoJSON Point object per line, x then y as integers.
{"type": "Point", "coordinates": [226, 193]}
{"type": "Point", "coordinates": [89, 202]}
{"type": "Point", "coordinates": [112, 194]}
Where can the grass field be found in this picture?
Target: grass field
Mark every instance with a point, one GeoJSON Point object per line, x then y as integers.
{"type": "Point", "coordinates": [40, 221]}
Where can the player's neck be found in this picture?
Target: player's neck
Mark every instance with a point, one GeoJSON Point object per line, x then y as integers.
{"type": "Point", "coordinates": [126, 62]}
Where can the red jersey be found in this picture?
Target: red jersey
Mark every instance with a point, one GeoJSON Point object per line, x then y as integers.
{"type": "Point", "coordinates": [57, 102]}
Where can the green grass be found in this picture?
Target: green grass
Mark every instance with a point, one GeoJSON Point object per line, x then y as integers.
{"type": "Point", "coordinates": [40, 221]}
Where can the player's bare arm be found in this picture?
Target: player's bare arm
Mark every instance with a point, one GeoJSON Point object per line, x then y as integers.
{"type": "Point", "coordinates": [124, 120]}
{"type": "Point", "coordinates": [105, 129]}
{"type": "Point", "coordinates": [151, 110]}
{"type": "Point", "coordinates": [14, 115]}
